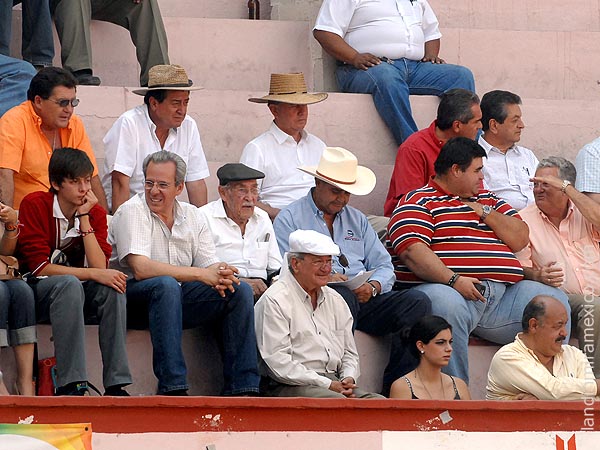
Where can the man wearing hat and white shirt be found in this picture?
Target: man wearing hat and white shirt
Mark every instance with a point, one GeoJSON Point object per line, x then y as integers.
{"type": "Point", "coordinates": [161, 123]}
{"type": "Point", "coordinates": [286, 145]}
{"type": "Point", "coordinates": [243, 234]}
{"type": "Point", "coordinates": [375, 307]}
{"type": "Point", "coordinates": [304, 328]}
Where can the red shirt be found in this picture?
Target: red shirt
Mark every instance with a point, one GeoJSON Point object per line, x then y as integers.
{"type": "Point", "coordinates": [414, 165]}
{"type": "Point", "coordinates": [455, 233]}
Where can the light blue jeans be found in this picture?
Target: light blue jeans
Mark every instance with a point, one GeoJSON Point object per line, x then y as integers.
{"type": "Point", "coordinates": [497, 320]}
{"type": "Point", "coordinates": [391, 83]}
{"type": "Point", "coordinates": [15, 76]}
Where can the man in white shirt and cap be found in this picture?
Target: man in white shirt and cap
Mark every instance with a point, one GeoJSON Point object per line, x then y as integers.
{"type": "Point", "coordinates": [304, 328]}
{"type": "Point", "coordinates": [243, 234]}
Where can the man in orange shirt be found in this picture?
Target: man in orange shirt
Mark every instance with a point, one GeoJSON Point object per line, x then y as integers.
{"type": "Point", "coordinates": [31, 131]}
{"type": "Point", "coordinates": [563, 250]}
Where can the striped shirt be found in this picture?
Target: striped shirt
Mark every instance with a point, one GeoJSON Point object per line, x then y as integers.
{"type": "Point", "coordinates": [455, 233]}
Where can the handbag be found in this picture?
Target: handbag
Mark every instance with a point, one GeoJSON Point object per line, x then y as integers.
{"type": "Point", "coordinates": [46, 376]}
{"type": "Point", "coordinates": [9, 268]}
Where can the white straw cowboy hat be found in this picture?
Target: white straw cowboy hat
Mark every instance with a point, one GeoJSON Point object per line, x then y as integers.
{"type": "Point", "coordinates": [340, 168]}
{"type": "Point", "coordinates": [170, 77]}
{"type": "Point", "coordinates": [289, 88]}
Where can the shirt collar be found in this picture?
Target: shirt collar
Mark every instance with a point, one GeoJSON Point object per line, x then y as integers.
{"type": "Point", "coordinates": [294, 285]}
{"type": "Point", "coordinates": [313, 206]}
{"type": "Point", "coordinates": [151, 124]}
{"type": "Point", "coordinates": [524, 348]}
{"type": "Point", "coordinates": [489, 147]}
{"type": "Point", "coordinates": [58, 214]}
{"type": "Point", "coordinates": [570, 211]}
{"type": "Point", "coordinates": [282, 136]}
{"type": "Point", "coordinates": [178, 212]}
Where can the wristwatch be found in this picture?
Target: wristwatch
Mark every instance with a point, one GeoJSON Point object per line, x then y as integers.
{"type": "Point", "coordinates": [487, 209]}
{"type": "Point", "coordinates": [566, 183]}
{"type": "Point", "coordinates": [374, 291]}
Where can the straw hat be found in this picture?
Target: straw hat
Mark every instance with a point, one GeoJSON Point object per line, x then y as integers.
{"type": "Point", "coordinates": [170, 77]}
{"type": "Point", "coordinates": [289, 88]}
{"type": "Point", "coordinates": [340, 168]}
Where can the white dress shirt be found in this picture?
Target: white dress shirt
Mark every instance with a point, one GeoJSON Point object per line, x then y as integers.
{"type": "Point", "coordinates": [133, 137]}
{"type": "Point", "coordinates": [254, 252]}
{"type": "Point", "coordinates": [278, 155]}
{"type": "Point", "coordinates": [507, 174]}
{"type": "Point", "coordinates": [390, 28]}
{"type": "Point", "coordinates": [135, 230]}
{"type": "Point", "coordinates": [296, 343]}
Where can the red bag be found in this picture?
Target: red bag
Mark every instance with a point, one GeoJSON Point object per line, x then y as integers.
{"type": "Point", "coordinates": [46, 384]}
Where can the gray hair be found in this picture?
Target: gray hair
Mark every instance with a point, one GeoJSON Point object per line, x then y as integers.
{"type": "Point", "coordinates": [163, 157]}
{"type": "Point", "coordinates": [566, 169]}
{"type": "Point", "coordinates": [296, 255]}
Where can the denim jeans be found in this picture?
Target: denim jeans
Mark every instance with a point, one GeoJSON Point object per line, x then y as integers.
{"type": "Point", "coordinates": [37, 45]}
{"type": "Point", "coordinates": [15, 76]}
{"type": "Point", "coordinates": [170, 307]}
{"type": "Point", "coordinates": [498, 319]}
{"type": "Point", "coordinates": [17, 313]}
{"type": "Point", "coordinates": [391, 83]}
{"type": "Point", "coordinates": [391, 313]}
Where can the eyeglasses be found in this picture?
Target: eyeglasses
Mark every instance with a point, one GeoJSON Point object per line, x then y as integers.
{"type": "Point", "coordinates": [161, 185]}
{"type": "Point", "coordinates": [343, 261]}
{"type": "Point", "coordinates": [321, 263]}
{"type": "Point", "coordinates": [244, 192]}
{"type": "Point", "coordinates": [64, 102]}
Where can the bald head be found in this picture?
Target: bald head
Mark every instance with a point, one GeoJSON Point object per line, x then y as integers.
{"type": "Point", "coordinates": [538, 308]}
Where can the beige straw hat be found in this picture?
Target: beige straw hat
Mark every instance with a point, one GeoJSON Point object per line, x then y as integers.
{"type": "Point", "coordinates": [170, 77]}
{"type": "Point", "coordinates": [340, 168]}
{"type": "Point", "coordinates": [289, 88]}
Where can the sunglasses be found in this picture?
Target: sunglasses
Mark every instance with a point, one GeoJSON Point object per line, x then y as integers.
{"type": "Point", "coordinates": [64, 102]}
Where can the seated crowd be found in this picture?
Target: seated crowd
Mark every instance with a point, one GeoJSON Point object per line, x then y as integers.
{"type": "Point", "coordinates": [480, 238]}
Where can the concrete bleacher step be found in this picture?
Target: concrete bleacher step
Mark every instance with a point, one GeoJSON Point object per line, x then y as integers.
{"type": "Point", "coordinates": [220, 53]}
{"type": "Point", "coordinates": [540, 15]}
{"type": "Point", "coordinates": [204, 366]}
{"type": "Point", "coordinates": [553, 127]}
{"type": "Point", "coordinates": [222, 9]}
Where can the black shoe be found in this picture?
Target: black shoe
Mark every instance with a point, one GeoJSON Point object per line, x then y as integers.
{"type": "Point", "coordinates": [175, 393]}
{"type": "Point", "coordinates": [116, 391]}
{"type": "Point", "coordinates": [85, 78]}
{"type": "Point", "coordinates": [77, 388]}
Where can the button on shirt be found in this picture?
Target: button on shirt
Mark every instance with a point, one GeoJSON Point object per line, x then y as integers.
{"type": "Point", "coordinates": [574, 245]}
{"type": "Point", "coordinates": [277, 155]}
{"type": "Point", "coordinates": [351, 232]}
{"type": "Point", "coordinates": [296, 343]}
{"type": "Point", "coordinates": [390, 28]}
{"type": "Point", "coordinates": [515, 369]}
{"type": "Point", "coordinates": [135, 230]}
{"type": "Point", "coordinates": [133, 137]}
{"type": "Point", "coordinates": [508, 174]}
{"type": "Point", "coordinates": [254, 252]}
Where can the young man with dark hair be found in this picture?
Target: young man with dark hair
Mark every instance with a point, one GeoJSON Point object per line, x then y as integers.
{"type": "Point", "coordinates": [31, 131]}
{"type": "Point", "coordinates": [63, 245]}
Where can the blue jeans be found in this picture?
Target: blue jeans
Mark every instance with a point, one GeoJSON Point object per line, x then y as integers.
{"type": "Point", "coordinates": [497, 320]}
{"type": "Point", "coordinates": [391, 313]}
{"type": "Point", "coordinates": [170, 307]}
{"type": "Point", "coordinates": [37, 45]}
{"type": "Point", "coordinates": [390, 84]}
{"type": "Point", "coordinates": [15, 76]}
{"type": "Point", "coordinates": [17, 313]}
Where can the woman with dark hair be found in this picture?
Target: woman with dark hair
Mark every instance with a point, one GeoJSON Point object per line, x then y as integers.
{"type": "Point", "coordinates": [431, 342]}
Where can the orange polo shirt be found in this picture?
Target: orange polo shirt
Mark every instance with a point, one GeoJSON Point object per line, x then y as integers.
{"type": "Point", "coordinates": [25, 150]}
